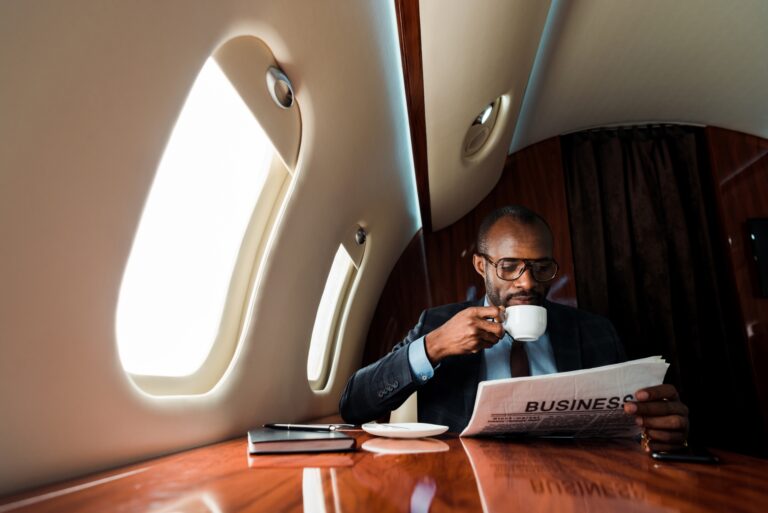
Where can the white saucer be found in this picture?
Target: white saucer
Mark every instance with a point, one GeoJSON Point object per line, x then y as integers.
{"type": "Point", "coordinates": [404, 429]}
{"type": "Point", "coordinates": [412, 446]}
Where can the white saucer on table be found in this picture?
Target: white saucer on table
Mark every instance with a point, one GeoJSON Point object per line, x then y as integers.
{"type": "Point", "coordinates": [404, 429]}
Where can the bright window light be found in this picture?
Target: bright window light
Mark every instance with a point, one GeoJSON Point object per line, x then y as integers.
{"type": "Point", "coordinates": [178, 273]}
{"type": "Point", "coordinates": [328, 317]}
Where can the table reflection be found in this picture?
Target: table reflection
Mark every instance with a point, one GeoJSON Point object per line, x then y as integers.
{"type": "Point", "coordinates": [491, 475]}
{"type": "Point", "coordinates": [472, 475]}
{"type": "Point", "coordinates": [193, 503]}
{"type": "Point", "coordinates": [404, 446]}
{"type": "Point", "coordinates": [515, 476]}
{"type": "Point", "coordinates": [448, 474]}
{"type": "Point", "coordinates": [422, 495]}
{"type": "Point", "coordinates": [313, 484]}
{"type": "Point", "coordinates": [416, 476]}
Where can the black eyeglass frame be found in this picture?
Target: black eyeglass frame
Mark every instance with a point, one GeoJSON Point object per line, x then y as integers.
{"type": "Point", "coordinates": [528, 264]}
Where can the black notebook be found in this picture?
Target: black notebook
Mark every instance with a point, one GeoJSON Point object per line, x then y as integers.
{"type": "Point", "coordinates": [280, 441]}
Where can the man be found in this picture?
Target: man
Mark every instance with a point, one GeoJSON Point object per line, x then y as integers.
{"type": "Point", "coordinates": [454, 347]}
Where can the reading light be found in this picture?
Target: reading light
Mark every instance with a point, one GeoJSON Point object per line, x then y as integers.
{"type": "Point", "coordinates": [279, 87]}
{"type": "Point", "coordinates": [480, 130]}
{"type": "Point", "coordinates": [483, 117]}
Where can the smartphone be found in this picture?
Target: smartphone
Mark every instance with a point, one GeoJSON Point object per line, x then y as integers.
{"type": "Point", "coordinates": [686, 454]}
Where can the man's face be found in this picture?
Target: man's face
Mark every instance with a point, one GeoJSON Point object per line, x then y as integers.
{"type": "Point", "coordinates": [511, 239]}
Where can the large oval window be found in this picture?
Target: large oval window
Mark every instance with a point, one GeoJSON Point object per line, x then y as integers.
{"type": "Point", "coordinates": [185, 284]}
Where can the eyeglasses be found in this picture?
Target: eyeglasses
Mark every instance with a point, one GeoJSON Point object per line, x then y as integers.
{"type": "Point", "coordinates": [510, 269]}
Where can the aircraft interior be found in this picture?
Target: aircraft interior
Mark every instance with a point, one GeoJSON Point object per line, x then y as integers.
{"type": "Point", "coordinates": [213, 213]}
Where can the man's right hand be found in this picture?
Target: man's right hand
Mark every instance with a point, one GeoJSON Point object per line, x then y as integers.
{"type": "Point", "coordinates": [469, 331]}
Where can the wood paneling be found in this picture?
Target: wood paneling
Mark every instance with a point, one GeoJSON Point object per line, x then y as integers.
{"type": "Point", "coordinates": [409, 31]}
{"type": "Point", "coordinates": [739, 165]}
{"type": "Point", "coordinates": [532, 177]}
{"type": "Point", "coordinates": [491, 475]}
{"type": "Point", "coordinates": [405, 295]}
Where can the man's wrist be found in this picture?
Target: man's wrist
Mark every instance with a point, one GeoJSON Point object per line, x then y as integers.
{"type": "Point", "coordinates": [432, 352]}
{"type": "Point", "coordinates": [421, 367]}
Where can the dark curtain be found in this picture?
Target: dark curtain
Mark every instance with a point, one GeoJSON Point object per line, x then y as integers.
{"type": "Point", "coordinates": [643, 233]}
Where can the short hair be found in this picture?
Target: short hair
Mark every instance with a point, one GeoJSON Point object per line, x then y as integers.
{"type": "Point", "coordinates": [517, 213]}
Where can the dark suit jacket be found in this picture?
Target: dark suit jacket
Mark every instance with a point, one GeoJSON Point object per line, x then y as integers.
{"type": "Point", "coordinates": [579, 341]}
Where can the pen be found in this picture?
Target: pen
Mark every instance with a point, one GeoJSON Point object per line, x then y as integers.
{"type": "Point", "coordinates": [310, 427]}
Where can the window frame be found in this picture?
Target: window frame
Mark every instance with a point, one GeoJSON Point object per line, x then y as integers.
{"type": "Point", "coordinates": [283, 128]}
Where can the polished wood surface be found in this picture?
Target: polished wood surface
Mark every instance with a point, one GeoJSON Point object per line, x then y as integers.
{"type": "Point", "coordinates": [409, 31]}
{"type": "Point", "coordinates": [739, 165]}
{"type": "Point", "coordinates": [405, 295]}
{"type": "Point", "coordinates": [532, 177]}
{"type": "Point", "coordinates": [451, 474]}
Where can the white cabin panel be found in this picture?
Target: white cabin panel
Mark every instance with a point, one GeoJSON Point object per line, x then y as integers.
{"type": "Point", "coordinates": [89, 96]}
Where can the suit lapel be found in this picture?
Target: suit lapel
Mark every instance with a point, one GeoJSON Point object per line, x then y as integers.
{"type": "Point", "coordinates": [564, 337]}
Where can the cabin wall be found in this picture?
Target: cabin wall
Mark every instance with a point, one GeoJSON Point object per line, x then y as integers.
{"type": "Point", "coordinates": [405, 295]}
{"type": "Point", "coordinates": [739, 164]}
{"type": "Point", "coordinates": [90, 92]}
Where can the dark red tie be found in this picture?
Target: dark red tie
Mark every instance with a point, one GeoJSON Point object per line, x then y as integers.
{"type": "Point", "coordinates": [518, 360]}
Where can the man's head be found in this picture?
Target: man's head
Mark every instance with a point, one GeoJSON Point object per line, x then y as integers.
{"type": "Point", "coordinates": [514, 241]}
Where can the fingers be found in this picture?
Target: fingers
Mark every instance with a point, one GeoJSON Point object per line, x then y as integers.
{"type": "Point", "coordinates": [488, 312]}
{"type": "Point", "coordinates": [486, 329]}
{"type": "Point", "coordinates": [656, 408]}
{"type": "Point", "coordinates": [469, 331]}
{"type": "Point", "coordinates": [655, 446]}
{"type": "Point", "coordinates": [658, 393]}
{"type": "Point", "coordinates": [484, 340]}
{"type": "Point", "coordinates": [667, 437]}
{"type": "Point", "coordinates": [663, 417]}
{"type": "Point", "coordinates": [496, 329]}
{"type": "Point", "coordinates": [486, 334]}
{"type": "Point", "coordinates": [480, 344]}
{"type": "Point", "coordinates": [673, 422]}
{"type": "Point", "coordinates": [660, 440]}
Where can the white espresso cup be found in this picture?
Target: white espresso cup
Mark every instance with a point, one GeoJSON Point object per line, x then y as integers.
{"type": "Point", "coordinates": [525, 322]}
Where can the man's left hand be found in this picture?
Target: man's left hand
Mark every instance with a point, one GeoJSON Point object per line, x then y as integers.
{"type": "Point", "coordinates": [662, 416]}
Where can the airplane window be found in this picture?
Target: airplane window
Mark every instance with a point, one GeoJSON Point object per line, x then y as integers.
{"type": "Point", "coordinates": [176, 283]}
{"type": "Point", "coordinates": [326, 329]}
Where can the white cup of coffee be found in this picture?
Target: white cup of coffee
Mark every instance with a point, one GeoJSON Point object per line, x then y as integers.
{"type": "Point", "coordinates": [525, 322]}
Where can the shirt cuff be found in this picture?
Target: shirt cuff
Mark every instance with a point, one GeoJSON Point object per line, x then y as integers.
{"type": "Point", "coordinates": [417, 358]}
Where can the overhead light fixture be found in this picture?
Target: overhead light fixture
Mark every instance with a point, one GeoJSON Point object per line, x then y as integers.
{"type": "Point", "coordinates": [483, 117]}
{"type": "Point", "coordinates": [480, 130]}
{"type": "Point", "coordinates": [279, 87]}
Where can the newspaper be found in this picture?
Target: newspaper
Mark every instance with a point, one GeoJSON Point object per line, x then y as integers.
{"type": "Point", "coordinates": [583, 403]}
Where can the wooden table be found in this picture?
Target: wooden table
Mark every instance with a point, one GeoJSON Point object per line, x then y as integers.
{"type": "Point", "coordinates": [451, 475]}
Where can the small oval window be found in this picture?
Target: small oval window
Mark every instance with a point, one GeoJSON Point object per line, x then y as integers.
{"type": "Point", "coordinates": [325, 333]}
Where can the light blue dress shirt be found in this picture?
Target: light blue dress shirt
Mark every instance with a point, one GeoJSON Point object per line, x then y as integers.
{"type": "Point", "coordinates": [495, 359]}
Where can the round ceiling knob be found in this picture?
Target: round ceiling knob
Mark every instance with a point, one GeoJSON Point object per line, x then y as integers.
{"type": "Point", "coordinates": [360, 236]}
{"type": "Point", "coordinates": [279, 87]}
